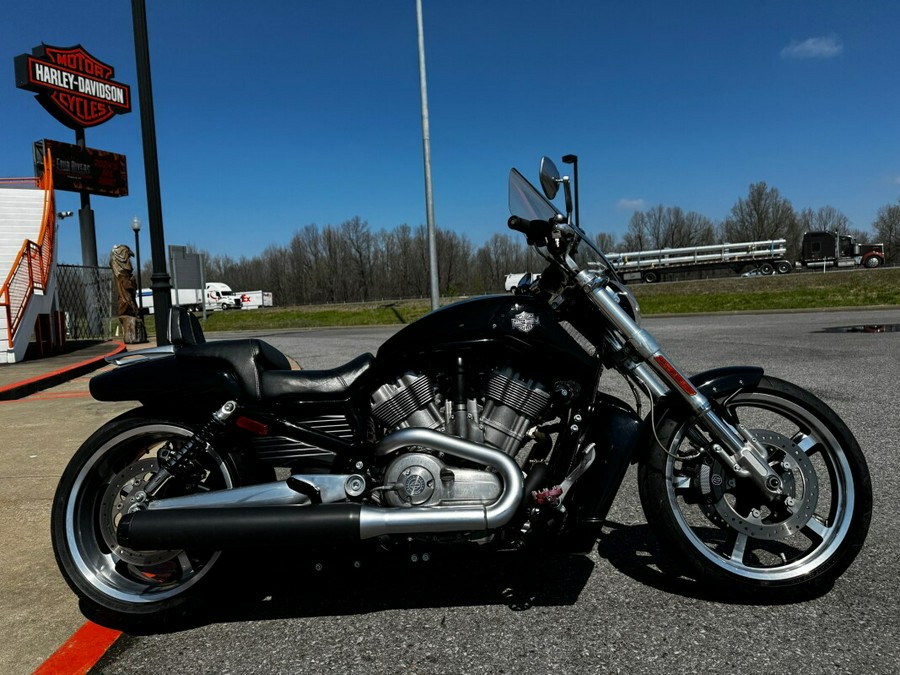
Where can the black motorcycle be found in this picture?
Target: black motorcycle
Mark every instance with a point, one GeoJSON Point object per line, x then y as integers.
{"type": "Point", "coordinates": [483, 424]}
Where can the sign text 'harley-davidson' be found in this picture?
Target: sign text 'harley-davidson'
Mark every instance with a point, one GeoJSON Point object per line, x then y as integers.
{"type": "Point", "coordinates": [72, 85]}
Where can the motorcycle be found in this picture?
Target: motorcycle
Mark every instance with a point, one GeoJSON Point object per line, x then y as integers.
{"type": "Point", "coordinates": [483, 424]}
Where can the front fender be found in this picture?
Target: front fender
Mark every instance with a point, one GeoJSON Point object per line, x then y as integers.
{"type": "Point", "coordinates": [719, 382]}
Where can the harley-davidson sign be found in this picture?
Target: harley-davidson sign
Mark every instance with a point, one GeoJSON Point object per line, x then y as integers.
{"type": "Point", "coordinates": [74, 87]}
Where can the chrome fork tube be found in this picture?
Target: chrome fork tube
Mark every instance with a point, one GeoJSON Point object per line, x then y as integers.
{"type": "Point", "coordinates": [742, 455]}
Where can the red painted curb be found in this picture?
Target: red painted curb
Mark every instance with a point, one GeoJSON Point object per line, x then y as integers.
{"type": "Point", "coordinates": [81, 652]}
{"type": "Point", "coordinates": [26, 387]}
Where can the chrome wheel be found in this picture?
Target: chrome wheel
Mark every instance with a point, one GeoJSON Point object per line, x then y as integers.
{"type": "Point", "coordinates": [722, 524]}
{"type": "Point", "coordinates": [104, 481]}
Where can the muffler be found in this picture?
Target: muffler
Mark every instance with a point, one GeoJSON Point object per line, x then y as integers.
{"type": "Point", "coordinates": [239, 526]}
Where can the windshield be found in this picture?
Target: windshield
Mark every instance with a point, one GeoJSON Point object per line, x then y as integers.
{"type": "Point", "coordinates": [525, 201]}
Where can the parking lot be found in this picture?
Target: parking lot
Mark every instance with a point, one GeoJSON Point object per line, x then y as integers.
{"type": "Point", "coordinates": [607, 610]}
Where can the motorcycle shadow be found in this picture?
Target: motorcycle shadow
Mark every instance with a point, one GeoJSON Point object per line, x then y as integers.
{"type": "Point", "coordinates": [634, 551]}
{"type": "Point", "coordinates": [285, 584]}
{"type": "Point", "coordinates": [253, 587]}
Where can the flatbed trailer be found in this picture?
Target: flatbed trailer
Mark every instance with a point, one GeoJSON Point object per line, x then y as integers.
{"type": "Point", "coordinates": [766, 256]}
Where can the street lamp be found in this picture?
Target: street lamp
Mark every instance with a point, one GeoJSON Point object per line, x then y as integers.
{"type": "Point", "coordinates": [136, 226]}
{"type": "Point", "coordinates": [573, 159]}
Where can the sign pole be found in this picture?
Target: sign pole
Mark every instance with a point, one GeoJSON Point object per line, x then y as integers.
{"type": "Point", "coordinates": [85, 217]}
{"type": "Point", "coordinates": [162, 296]}
{"type": "Point", "coordinates": [90, 265]}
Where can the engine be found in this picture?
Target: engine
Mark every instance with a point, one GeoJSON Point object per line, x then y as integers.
{"type": "Point", "coordinates": [499, 415]}
{"type": "Point", "coordinates": [508, 406]}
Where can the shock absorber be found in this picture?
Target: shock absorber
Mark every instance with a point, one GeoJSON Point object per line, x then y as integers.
{"type": "Point", "coordinates": [182, 461]}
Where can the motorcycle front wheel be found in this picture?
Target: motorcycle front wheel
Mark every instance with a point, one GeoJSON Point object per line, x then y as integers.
{"type": "Point", "coordinates": [720, 528]}
{"type": "Point", "coordinates": [102, 481]}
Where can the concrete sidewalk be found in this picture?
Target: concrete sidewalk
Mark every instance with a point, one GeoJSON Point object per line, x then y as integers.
{"type": "Point", "coordinates": [35, 374]}
{"type": "Point", "coordinates": [46, 413]}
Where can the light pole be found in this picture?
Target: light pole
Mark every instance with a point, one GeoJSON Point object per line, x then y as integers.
{"type": "Point", "coordinates": [573, 159]}
{"type": "Point", "coordinates": [136, 226]}
{"type": "Point", "coordinates": [426, 147]}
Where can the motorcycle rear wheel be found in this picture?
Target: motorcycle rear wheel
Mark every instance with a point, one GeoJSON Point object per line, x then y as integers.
{"type": "Point", "coordinates": [95, 491]}
{"type": "Point", "coordinates": [721, 530]}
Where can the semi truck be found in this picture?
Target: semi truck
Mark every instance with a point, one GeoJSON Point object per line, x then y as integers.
{"type": "Point", "coordinates": [766, 256]}
{"type": "Point", "coordinates": [216, 296]}
{"type": "Point", "coordinates": [830, 249]}
{"type": "Point", "coordinates": [220, 296]}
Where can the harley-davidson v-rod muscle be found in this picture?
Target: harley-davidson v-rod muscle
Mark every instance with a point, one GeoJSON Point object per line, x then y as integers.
{"type": "Point", "coordinates": [483, 424]}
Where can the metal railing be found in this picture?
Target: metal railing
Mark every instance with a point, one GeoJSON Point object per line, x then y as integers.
{"type": "Point", "coordinates": [31, 267]}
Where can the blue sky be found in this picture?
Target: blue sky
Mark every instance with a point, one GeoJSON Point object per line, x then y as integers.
{"type": "Point", "coordinates": [274, 115]}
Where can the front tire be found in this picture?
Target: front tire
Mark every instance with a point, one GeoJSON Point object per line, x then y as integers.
{"type": "Point", "coordinates": [96, 489]}
{"type": "Point", "coordinates": [718, 527]}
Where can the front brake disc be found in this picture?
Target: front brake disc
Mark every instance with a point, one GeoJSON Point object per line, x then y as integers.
{"type": "Point", "coordinates": [736, 504]}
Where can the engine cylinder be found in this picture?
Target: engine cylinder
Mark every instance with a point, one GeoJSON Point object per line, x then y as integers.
{"type": "Point", "coordinates": [407, 402]}
{"type": "Point", "coordinates": [512, 404]}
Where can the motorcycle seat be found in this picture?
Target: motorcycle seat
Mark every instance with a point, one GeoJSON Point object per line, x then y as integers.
{"type": "Point", "coordinates": [247, 360]}
{"type": "Point", "coordinates": [318, 385]}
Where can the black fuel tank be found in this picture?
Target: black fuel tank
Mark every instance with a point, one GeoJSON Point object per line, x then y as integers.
{"type": "Point", "coordinates": [519, 324]}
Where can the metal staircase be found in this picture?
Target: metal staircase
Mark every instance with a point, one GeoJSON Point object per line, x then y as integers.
{"type": "Point", "coordinates": [27, 252]}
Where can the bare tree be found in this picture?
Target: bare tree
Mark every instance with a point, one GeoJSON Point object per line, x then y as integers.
{"type": "Point", "coordinates": [359, 240]}
{"type": "Point", "coordinates": [826, 219]}
{"type": "Point", "coordinates": [667, 227]}
{"type": "Point", "coordinates": [764, 214]}
{"type": "Point", "coordinates": [887, 232]}
{"type": "Point", "coordinates": [605, 241]}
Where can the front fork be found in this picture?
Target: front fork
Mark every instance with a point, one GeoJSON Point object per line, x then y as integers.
{"type": "Point", "coordinates": [735, 447]}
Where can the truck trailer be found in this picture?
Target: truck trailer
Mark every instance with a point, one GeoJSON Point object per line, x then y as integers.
{"type": "Point", "coordinates": [216, 296]}
{"type": "Point", "coordinates": [767, 256]}
{"type": "Point", "coordinates": [255, 299]}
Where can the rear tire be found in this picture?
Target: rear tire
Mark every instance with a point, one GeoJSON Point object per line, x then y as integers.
{"type": "Point", "coordinates": [766, 269]}
{"type": "Point", "coordinates": [95, 490]}
{"type": "Point", "coordinates": [718, 527]}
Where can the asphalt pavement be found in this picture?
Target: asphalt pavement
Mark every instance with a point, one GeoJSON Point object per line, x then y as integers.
{"type": "Point", "coordinates": [609, 610]}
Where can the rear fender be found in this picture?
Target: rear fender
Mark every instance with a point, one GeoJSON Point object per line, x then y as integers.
{"type": "Point", "coordinates": [164, 380]}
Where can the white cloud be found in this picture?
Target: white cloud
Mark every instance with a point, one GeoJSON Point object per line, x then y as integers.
{"type": "Point", "coordinates": [630, 204]}
{"type": "Point", "coordinates": [825, 47]}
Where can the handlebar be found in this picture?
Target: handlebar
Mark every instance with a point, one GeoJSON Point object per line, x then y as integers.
{"type": "Point", "coordinates": [536, 231]}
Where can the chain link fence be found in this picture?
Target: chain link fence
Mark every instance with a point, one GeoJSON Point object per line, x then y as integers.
{"type": "Point", "coordinates": [87, 298]}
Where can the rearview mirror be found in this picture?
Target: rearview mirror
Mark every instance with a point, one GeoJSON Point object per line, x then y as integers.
{"type": "Point", "coordinates": [549, 177]}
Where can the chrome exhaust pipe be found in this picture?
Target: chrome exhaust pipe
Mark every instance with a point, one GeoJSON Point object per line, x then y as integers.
{"type": "Point", "coordinates": [273, 514]}
{"type": "Point", "coordinates": [374, 521]}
